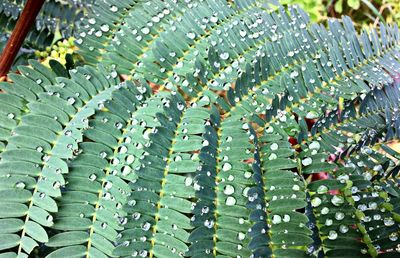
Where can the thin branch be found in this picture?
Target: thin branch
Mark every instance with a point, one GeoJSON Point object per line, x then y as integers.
{"type": "Point", "coordinates": [24, 23]}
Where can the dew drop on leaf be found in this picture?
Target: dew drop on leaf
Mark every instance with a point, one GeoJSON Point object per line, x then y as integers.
{"type": "Point", "coordinates": [71, 100]}
{"type": "Point", "coordinates": [388, 221]}
{"type": "Point", "coordinates": [393, 236]}
{"type": "Point", "coordinates": [20, 185]}
{"type": "Point", "coordinates": [337, 201]}
{"type": "Point", "coordinates": [136, 215]}
{"type": "Point", "coordinates": [230, 201]}
{"type": "Point", "coordinates": [324, 210]}
{"type": "Point", "coordinates": [296, 188]}
{"type": "Point", "coordinates": [49, 218]}
{"type": "Point", "coordinates": [226, 167]}
{"type": "Point", "coordinates": [191, 35]}
{"type": "Point", "coordinates": [146, 226]}
{"type": "Point", "coordinates": [224, 56]}
{"type": "Point", "coordinates": [105, 27]}
{"type": "Point", "coordinates": [92, 177]}
{"type": "Point", "coordinates": [343, 229]}
{"type": "Point", "coordinates": [229, 189]}
{"type": "Point", "coordinates": [307, 161]}
{"type": "Point", "coordinates": [276, 219]}
{"type": "Point", "coordinates": [339, 215]}
{"type": "Point", "coordinates": [286, 218]}
{"type": "Point", "coordinates": [274, 146]}
{"type": "Point", "coordinates": [332, 235]}
{"type": "Point", "coordinates": [322, 189]}
{"type": "Point", "coordinates": [315, 202]}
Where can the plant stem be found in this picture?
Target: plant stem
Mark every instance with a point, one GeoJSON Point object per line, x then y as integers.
{"type": "Point", "coordinates": [24, 23]}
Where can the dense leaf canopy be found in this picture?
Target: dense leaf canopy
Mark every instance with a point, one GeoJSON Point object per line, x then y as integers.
{"type": "Point", "coordinates": [208, 148]}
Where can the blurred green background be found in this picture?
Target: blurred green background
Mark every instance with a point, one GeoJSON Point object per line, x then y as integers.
{"type": "Point", "coordinates": [364, 13]}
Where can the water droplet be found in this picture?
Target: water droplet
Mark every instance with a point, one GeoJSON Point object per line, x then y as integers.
{"type": "Point", "coordinates": [230, 201]}
{"type": "Point", "coordinates": [339, 215]}
{"type": "Point", "coordinates": [296, 188]}
{"type": "Point", "coordinates": [180, 106]}
{"type": "Point", "coordinates": [205, 143]}
{"type": "Point", "coordinates": [10, 115]}
{"type": "Point", "coordinates": [146, 226]}
{"type": "Point", "coordinates": [103, 154]}
{"type": "Point", "coordinates": [337, 201]}
{"type": "Point", "coordinates": [286, 218]}
{"type": "Point", "coordinates": [145, 30]}
{"type": "Point", "coordinates": [276, 219]}
{"type": "Point", "coordinates": [118, 125]}
{"type": "Point", "coordinates": [388, 221]}
{"type": "Point", "coordinates": [343, 229]}
{"type": "Point", "coordinates": [71, 100]}
{"type": "Point", "coordinates": [307, 161]}
{"type": "Point", "coordinates": [209, 223]}
{"type": "Point", "coordinates": [129, 159]}
{"type": "Point", "coordinates": [322, 189]}
{"type": "Point", "coordinates": [105, 27]}
{"type": "Point", "coordinates": [188, 181]}
{"type": "Point", "coordinates": [214, 19]}
{"type": "Point", "coordinates": [314, 146]}
{"type": "Point", "coordinates": [205, 210]}
{"type": "Point", "coordinates": [294, 74]}
{"type": "Point", "coordinates": [273, 156]}
{"type": "Point", "coordinates": [315, 202]}
{"type": "Point", "coordinates": [393, 236]}
{"type": "Point", "coordinates": [92, 177]}
{"type": "Point", "coordinates": [224, 56]}
{"type": "Point", "coordinates": [136, 215]}
{"type": "Point", "coordinates": [20, 185]}
{"type": "Point", "coordinates": [332, 235]}
{"type": "Point", "coordinates": [247, 174]}
{"type": "Point", "coordinates": [56, 185]}
{"type": "Point", "coordinates": [324, 210]}
{"type": "Point", "coordinates": [312, 115]}
{"type": "Point", "coordinates": [98, 33]}
{"type": "Point", "coordinates": [229, 189]}
{"type": "Point", "coordinates": [126, 170]}
{"type": "Point", "coordinates": [226, 167]}
{"type": "Point", "coordinates": [108, 185]}
{"type": "Point", "coordinates": [241, 236]}
{"type": "Point", "coordinates": [114, 9]}
{"type": "Point", "coordinates": [274, 146]}
{"type": "Point", "coordinates": [39, 149]}
{"type": "Point", "coordinates": [191, 35]}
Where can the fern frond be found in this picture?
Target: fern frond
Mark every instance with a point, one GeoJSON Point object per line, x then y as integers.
{"type": "Point", "coordinates": [33, 162]}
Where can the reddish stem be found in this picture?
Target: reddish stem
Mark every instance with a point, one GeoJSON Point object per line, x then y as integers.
{"type": "Point", "coordinates": [24, 23]}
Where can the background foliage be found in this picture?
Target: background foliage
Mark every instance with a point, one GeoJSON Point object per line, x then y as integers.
{"type": "Point", "coordinates": [57, 20]}
{"type": "Point", "coordinates": [200, 129]}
